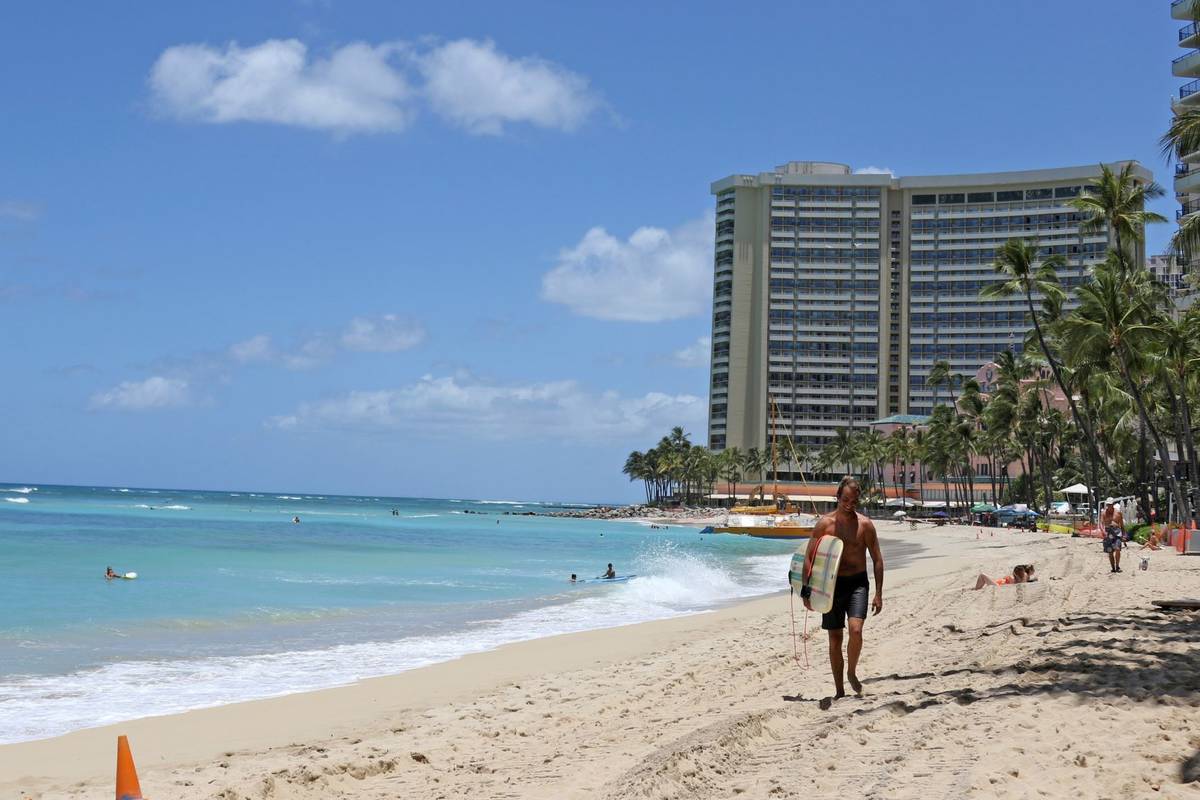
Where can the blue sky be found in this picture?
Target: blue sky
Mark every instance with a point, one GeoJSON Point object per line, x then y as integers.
{"type": "Point", "coordinates": [460, 249]}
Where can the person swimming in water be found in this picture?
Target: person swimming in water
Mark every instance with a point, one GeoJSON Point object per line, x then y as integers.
{"type": "Point", "coordinates": [109, 574]}
{"type": "Point", "coordinates": [573, 578]}
{"type": "Point", "coordinates": [610, 574]}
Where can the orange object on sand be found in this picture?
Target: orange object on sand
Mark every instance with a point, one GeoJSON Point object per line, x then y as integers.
{"type": "Point", "coordinates": [127, 779]}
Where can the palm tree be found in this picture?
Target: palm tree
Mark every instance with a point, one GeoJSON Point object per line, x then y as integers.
{"type": "Point", "coordinates": [1181, 139]}
{"type": "Point", "coordinates": [1113, 322]}
{"type": "Point", "coordinates": [1117, 202]}
{"type": "Point", "coordinates": [842, 445]}
{"type": "Point", "coordinates": [801, 454]}
{"type": "Point", "coordinates": [730, 469]}
{"type": "Point", "coordinates": [1181, 351]}
{"type": "Point", "coordinates": [1017, 260]}
{"type": "Point", "coordinates": [635, 468]}
{"type": "Point", "coordinates": [939, 375]}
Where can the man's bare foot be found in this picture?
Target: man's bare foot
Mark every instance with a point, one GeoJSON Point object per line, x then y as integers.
{"type": "Point", "coordinates": [855, 684]}
{"type": "Point", "coordinates": [826, 702]}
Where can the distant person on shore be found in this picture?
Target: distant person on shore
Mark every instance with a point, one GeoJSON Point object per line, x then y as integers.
{"type": "Point", "coordinates": [1112, 521]}
{"type": "Point", "coordinates": [610, 573]}
{"type": "Point", "coordinates": [1020, 574]}
{"type": "Point", "coordinates": [850, 594]}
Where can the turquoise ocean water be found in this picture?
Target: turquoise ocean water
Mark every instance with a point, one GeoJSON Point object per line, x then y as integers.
{"type": "Point", "coordinates": [234, 601]}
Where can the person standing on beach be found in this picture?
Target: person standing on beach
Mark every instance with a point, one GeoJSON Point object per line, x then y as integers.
{"type": "Point", "coordinates": [857, 533]}
{"type": "Point", "coordinates": [1112, 521]}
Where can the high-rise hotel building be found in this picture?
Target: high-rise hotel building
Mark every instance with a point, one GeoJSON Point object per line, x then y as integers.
{"type": "Point", "coordinates": [835, 293]}
{"type": "Point", "coordinates": [1187, 170]}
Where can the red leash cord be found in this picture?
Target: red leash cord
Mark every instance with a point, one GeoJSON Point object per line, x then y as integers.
{"type": "Point", "coordinates": [795, 649]}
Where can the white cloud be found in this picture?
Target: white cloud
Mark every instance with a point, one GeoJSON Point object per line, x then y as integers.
{"type": "Point", "coordinates": [655, 275]}
{"type": "Point", "coordinates": [560, 410]}
{"type": "Point", "coordinates": [355, 89]}
{"type": "Point", "coordinates": [364, 88]}
{"type": "Point", "coordinates": [875, 171]}
{"type": "Point", "coordinates": [312, 353]}
{"type": "Point", "coordinates": [695, 354]}
{"type": "Point", "coordinates": [22, 212]}
{"type": "Point", "coordinates": [256, 349]}
{"type": "Point", "coordinates": [478, 88]}
{"type": "Point", "coordinates": [154, 392]}
{"type": "Point", "coordinates": [387, 334]}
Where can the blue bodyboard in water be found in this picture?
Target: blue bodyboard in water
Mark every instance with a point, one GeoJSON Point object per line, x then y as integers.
{"type": "Point", "coordinates": [621, 579]}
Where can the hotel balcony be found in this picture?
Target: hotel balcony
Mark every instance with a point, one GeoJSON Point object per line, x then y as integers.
{"type": "Point", "coordinates": [1189, 94]}
{"type": "Point", "coordinates": [1189, 35]}
{"type": "Point", "coordinates": [1181, 9]}
{"type": "Point", "coordinates": [1188, 209]}
{"type": "Point", "coordinates": [1188, 181]}
{"type": "Point", "coordinates": [1187, 65]}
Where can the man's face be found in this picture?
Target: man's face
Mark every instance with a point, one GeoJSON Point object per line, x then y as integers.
{"type": "Point", "coordinates": [849, 499]}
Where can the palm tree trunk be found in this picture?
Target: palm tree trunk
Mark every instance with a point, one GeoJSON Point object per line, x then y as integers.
{"type": "Point", "coordinates": [1076, 417]}
{"type": "Point", "coordinates": [1193, 464]}
{"type": "Point", "coordinates": [1180, 453]}
{"type": "Point", "coordinates": [1046, 482]}
{"type": "Point", "coordinates": [1163, 456]}
{"type": "Point", "coordinates": [1185, 451]}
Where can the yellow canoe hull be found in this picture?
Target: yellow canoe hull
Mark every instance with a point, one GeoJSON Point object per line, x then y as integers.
{"type": "Point", "coordinates": [766, 532]}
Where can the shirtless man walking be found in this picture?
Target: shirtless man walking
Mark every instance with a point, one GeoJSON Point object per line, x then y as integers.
{"type": "Point", "coordinates": [850, 594]}
{"type": "Point", "coordinates": [1112, 522]}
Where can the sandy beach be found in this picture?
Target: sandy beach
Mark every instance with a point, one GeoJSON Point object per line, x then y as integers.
{"type": "Point", "coordinates": [1074, 686]}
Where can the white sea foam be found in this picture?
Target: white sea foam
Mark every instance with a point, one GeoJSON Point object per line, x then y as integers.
{"type": "Point", "coordinates": [21, 490]}
{"type": "Point", "coordinates": [287, 497]}
{"type": "Point", "coordinates": [17, 499]}
{"type": "Point", "coordinates": [163, 508]}
{"type": "Point", "coordinates": [419, 516]}
{"type": "Point", "coordinates": [670, 583]}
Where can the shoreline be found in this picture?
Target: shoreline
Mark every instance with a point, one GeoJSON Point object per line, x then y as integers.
{"type": "Point", "coordinates": [659, 708]}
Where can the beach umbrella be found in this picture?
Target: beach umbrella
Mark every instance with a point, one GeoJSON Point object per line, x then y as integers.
{"type": "Point", "coordinates": [982, 508]}
{"type": "Point", "coordinates": [1077, 488]}
{"type": "Point", "coordinates": [900, 514]}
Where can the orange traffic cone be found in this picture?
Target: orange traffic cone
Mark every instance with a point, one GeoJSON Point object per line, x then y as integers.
{"type": "Point", "coordinates": [127, 780]}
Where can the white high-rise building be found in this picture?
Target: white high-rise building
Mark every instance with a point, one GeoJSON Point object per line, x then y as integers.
{"type": "Point", "coordinates": [835, 292]}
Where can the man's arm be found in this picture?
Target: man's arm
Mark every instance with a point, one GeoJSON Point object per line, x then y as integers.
{"type": "Point", "coordinates": [877, 561]}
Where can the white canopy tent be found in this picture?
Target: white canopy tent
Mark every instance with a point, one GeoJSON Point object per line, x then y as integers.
{"type": "Point", "coordinates": [898, 502]}
{"type": "Point", "coordinates": [1078, 488]}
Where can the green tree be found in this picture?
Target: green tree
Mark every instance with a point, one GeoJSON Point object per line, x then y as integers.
{"type": "Point", "coordinates": [1114, 322]}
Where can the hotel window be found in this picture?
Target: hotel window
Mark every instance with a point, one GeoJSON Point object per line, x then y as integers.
{"type": "Point", "coordinates": [1038, 194]}
{"type": "Point", "coordinates": [924, 199]}
{"type": "Point", "coordinates": [1066, 191]}
{"type": "Point", "coordinates": [1006, 197]}
{"type": "Point", "coordinates": [951, 199]}
{"type": "Point", "coordinates": [981, 197]}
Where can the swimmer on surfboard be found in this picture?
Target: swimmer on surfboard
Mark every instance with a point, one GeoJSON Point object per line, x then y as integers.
{"type": "Point", "coordinates": [850, 596]}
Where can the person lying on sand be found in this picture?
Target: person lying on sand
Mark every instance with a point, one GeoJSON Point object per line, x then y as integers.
{"type": "Point", "coordinates": [1020, 574]}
